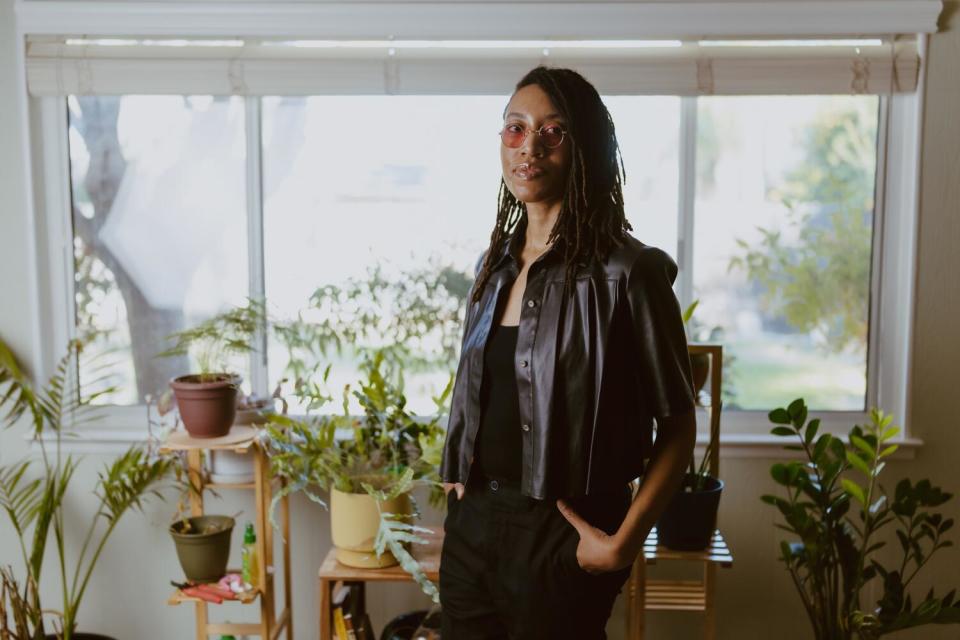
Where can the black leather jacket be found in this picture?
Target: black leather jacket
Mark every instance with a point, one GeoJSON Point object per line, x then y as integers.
{"type": "Point", "coordinates": [592, 371]}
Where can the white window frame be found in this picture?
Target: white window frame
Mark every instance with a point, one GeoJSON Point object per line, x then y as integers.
{"type": "Point", "coordinates": [896, 206]}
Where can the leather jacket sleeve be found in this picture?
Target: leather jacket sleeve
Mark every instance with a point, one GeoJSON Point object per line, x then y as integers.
{"type": "Point", "coordinates": [659, 335]}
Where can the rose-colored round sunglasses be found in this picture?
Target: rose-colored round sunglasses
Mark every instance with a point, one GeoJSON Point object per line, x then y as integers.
{"type": "Point", "coordinates": [551, 135]}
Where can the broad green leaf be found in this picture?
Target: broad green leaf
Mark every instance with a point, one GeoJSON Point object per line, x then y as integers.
{"type": "Point", "coordinates": [854, 489]}
{"type": "Point", "coordinates": [779, 416]}
{"type": "Point", "coordinates": [857, 462]}
{"type": "Point", "coordinates": [889, 450]}
{"type": "Point", "coordinates": [862, 444]}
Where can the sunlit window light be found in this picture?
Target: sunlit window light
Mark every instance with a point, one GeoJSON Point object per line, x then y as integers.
{"type": "Point", "coordinates": [866, 42]}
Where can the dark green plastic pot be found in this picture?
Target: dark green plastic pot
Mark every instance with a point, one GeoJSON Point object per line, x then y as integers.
{"type": "Point", "coordinates": [203, 556]}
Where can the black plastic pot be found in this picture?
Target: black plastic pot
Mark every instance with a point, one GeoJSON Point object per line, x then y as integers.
{"type": "Point", "coordinates": [688, 522]}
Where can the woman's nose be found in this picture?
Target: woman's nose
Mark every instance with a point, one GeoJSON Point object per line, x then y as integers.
{"type": "Point", "coordinates": [532, 145]}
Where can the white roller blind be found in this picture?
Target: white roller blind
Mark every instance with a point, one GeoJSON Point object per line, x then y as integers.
{"type": "Point", "coordinates": [62, 66]}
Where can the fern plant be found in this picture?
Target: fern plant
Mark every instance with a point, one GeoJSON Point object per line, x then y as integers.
{"type": "Point", "coordinates": [214, 340]}
{"type": "Point", "coordinates": [34, 504]}
{"type": "Point", "coordinates": [837, 507]}
{"type": "Point", "coordinates": [384, 453]}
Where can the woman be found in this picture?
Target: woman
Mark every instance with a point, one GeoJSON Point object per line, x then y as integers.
{"type": "Point", "coordinates": [573, 344]}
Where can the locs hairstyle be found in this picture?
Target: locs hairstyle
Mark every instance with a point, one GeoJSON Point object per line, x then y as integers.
{"type": "Point", "coordinates": [591, 219]}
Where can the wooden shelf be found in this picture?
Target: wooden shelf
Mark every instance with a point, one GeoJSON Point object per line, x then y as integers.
{"type": "Point", "coordinates": [684, 595]}
{"type": "Point", "coordinates": [676, 595]}
{"type": "Point", "coordinates": [428, 555]}
{"type": "Point", "coordinates": [247, 597]}
{"type": "Point", "coordinates": [717, 551]}
{"type": "Point", "coordinates": [273, 620]}
{"type": "Point", "coordinates": [239, 440]}
{"type": "Point", "coordinates": [229, 485]}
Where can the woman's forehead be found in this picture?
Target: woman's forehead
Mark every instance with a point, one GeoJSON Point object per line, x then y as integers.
{"type": "Point", "coordinates": [531, 103]}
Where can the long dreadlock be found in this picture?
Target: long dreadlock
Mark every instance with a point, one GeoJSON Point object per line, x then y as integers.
{"type": "Point", "coordinates": [592, 218]}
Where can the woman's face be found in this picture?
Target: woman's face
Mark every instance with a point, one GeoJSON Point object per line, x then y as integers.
{"type": "Point", "coordinates": [533, 172]}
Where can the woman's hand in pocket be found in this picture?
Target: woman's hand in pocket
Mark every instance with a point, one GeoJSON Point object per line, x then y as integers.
{"type": "Point", "coordinates": [597, 551]}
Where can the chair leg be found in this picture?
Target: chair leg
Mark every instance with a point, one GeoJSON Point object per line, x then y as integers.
{"type": "Point", "coordinates": [636, 599]}
{"type": "Point", "coordinates": [710, 609]}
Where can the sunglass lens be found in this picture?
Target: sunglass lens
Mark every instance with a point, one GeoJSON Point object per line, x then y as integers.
{"type": "Point", "coordinates": [512, 137]}
{"type": "Point", "coordinates": [552, 136]}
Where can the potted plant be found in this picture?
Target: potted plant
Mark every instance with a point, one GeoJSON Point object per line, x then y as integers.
{"type": "Point", "coordinates": [34, 504]}
{"type": "Point", "coordinates": [690, 518]}
{"type": "Point", "coordinates": [203, 545]}
{"type": "Point", "coordinates": [369, 464]}
{"type": "Point", "coordinates": [207, 400]}
{"type": "Point", "coordinates": [835, 507]}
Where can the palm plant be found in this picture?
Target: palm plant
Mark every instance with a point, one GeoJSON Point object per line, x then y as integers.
{"type": "Point", "coordinates": [34, 504]}
{"type": "Point", "coordinates": [838, 520]}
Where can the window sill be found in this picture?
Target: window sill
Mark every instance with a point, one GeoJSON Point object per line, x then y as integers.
{"type": "Point", "coordinates": [732, 445]}
{"type": "Point", "coordinates": [749, 445]}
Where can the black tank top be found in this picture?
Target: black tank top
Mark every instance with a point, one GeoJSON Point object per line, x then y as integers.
{"type": "Point", "coordinates": [499, 444]}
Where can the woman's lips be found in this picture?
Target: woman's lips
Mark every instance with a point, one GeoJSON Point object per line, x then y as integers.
{"type": "Point", "coordinates": [527, 172]}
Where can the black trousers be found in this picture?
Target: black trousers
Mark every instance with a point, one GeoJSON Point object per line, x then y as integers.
{"type": "Point", "coordinates": [508, 567]}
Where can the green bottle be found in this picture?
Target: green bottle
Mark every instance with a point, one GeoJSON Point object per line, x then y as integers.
{"type": "Point", "coordinates": [249, 564]}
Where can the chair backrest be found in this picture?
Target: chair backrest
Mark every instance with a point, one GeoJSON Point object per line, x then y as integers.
{"type": "Point", "coordinates": [707, 359]}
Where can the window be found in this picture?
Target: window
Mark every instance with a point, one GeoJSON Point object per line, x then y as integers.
{"type": "Point", "coordinates": [395, 185]}
{"type": "Point", "coordinates": [159, 228]}
{"type": "Point", "coordinates": [358, 189]}
{"type": "Point", "coordinates": [382, 177]}
{"type": "Point", "coordinates": [782, 245]}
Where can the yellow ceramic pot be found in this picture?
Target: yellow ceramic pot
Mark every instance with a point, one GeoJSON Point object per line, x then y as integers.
{"type": "Point", "coordinates": [354, 522]}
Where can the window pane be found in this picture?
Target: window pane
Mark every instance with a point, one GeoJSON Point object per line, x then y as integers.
{"type": "Point", "coordinates": [782, 245]}
{"type": "Point", "coordinates": [408, 184]}
{"type": "Point", "coordinates": [160, 232]}
{"type": "Point", "coordinates": [648, 131]}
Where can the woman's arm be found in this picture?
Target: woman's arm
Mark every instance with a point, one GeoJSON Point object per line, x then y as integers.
{"type": "Point", "coordinates": [599, 552]}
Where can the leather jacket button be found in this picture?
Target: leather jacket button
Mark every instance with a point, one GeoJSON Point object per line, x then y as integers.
{"type": "Point", "coordinates": [531, 303]}
{"type": "Point", "coordinates": [525, 427]}
{"type": "Point", "coordinates": [523, 363]}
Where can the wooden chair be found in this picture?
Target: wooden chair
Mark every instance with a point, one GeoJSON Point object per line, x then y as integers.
{"type": "Point", "coordinates": [683, 595]}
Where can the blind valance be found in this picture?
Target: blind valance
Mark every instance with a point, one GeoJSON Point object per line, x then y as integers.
{"type": "Point", "coordinates": [59, 65]}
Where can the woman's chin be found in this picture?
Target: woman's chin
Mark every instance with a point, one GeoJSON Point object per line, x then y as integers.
{"type": "Point", "coordinates": [529, 195]}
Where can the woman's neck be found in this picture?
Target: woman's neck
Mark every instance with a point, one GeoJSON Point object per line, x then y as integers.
{"type": "Point", "coordinates": [541, 217]}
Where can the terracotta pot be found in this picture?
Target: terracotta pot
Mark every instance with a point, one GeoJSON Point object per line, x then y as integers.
{"type": "Point", "coordinates": [207, 405]}
{"type": "Point", "coordinates": [203, 556]}
{"type": "Point", "coordinates": [688, 522]}
{"type": "Point", "coordinates": [354, 522]}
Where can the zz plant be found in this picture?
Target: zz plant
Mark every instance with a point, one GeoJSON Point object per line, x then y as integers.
{"type": "Point", "coordinates": [836, 509]}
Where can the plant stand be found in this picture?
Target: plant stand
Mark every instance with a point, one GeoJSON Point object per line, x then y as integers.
{"type": "Point", "coordinates": [333, 572]}
{"type": "Point", "coordinates": [683, 595]}
{"type": "Point", "coordinates": [242, 440]}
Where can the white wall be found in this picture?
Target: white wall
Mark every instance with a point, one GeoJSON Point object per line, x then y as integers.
{"type": "Point", "coordinates": [756, 600]}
